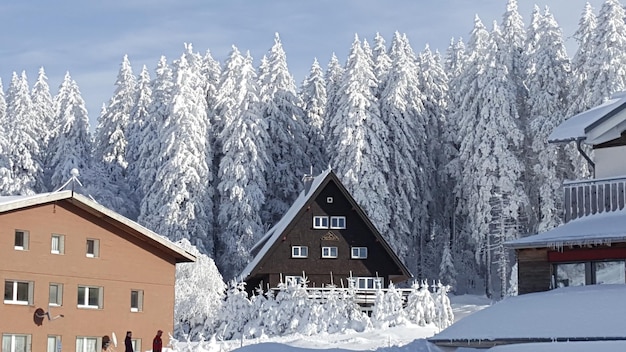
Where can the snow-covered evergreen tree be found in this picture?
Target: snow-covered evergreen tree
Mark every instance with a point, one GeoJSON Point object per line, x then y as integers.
{"type": "Point", "coordinates": [44, 108]}
{"type": "Point", "coordinates": [333, 77]}
{"type": "Point", "coordinates": [581, 93]}
{"type": "Point", "coordinates": [359, 139]}
{"type": "Point", "coordinates": [242, 184]}
{"type": "Point", "coordinates": [313, 97]}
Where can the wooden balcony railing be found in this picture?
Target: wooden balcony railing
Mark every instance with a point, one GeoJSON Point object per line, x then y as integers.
{"type": "Point", "coordinates": [585, 197]}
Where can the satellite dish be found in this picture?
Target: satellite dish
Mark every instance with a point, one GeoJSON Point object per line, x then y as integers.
{"type": "Point", "coordinates": [74, 172]}
{"type": "Point", "coordinates": [114, 339]}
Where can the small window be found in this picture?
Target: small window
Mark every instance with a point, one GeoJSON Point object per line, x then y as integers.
{"type": "Point", "coordinates": [54, 343]}
{"type": "Point", "coordinates": [337, 222]}
{"type": "Point", "coordinates": [87, 344]}
{"type": "Point", "coordinates": [329, 252]}
{"type": "Point", "coordinates": [16, 343]}
{"type": "Point", "coordinates": [359, 252]}
{"type": "Point", "coordinates": [136, 300]}
{"type": "Point", "coordinates": [18, 292]}
{"type": "Point", "coordinates": [299, 251]}
{"type": "Point", "coordinates": [21, 240]}
{"type": "Point", "coordinates": [294, 280]}
{"type": "Point", "coordinates": [93, 248]}
{"type": "Point", "coordinates": [56, 294]}
{"type": "Point", "coordinates": [136, 344]}
{"type": "Point", "coordinates": [367, 283]}
{"type": "Point", "coordinates": [329, 200]}
{"type": "Point", "coordinates": [320, 222]}
{"type": "Point", "coordinates": [58, 244]}
{"type": "Point", "coordinates": [90, 297]}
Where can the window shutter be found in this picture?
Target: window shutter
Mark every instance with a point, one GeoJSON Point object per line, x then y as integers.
{"type": "Point", "coordinates": [31, 292]}
{"type": "Point", "coordinates": [100, 297]}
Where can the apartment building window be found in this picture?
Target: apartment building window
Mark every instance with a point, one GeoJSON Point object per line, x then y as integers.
{"type": "Point", "coordinates": [359, 252]}
{"type": "Point", "coordinates": [320, 222]}
{"type": "Point", "coordinates": [58, 244]}
{"type": "Point", "coordinates": [136, 300]}
{"type": "Point", "coordinates": [87, 344]}
{"type": "Point", "coordinates": [93, 248]}
{"type": "Point", "coordinates": [337, 222]}
{"type": "Point", "coordinates": [16, 343]}
{"type": "Point", "coordinates": [21, 240]}
{"type": "Point", "coordinates": [54, 343]}
{"type": "Point", "coordinates": [299, 251]}
{"type": "Point", "coordinates": [90, 297]}
{"type": "Point", "coordinates": [136, 344]}
{"type": "Point", "coordinates": [18, 292]}
{"type": "Point", "coordinates": [329, 252]}
{"type": "Point", "coordinates": [56, 294]}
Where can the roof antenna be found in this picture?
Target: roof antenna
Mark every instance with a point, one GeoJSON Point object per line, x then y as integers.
{"type": "Point", "coordinates": [73, 179]}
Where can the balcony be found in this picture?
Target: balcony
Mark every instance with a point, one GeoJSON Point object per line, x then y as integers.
{"type": "Point", "coordinates": [585, 197]}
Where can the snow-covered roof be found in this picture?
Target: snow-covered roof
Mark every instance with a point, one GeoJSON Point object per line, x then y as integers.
{"type": "Point", "coordinates": [590, 313]}
{"type": "Point", "coordinates": [265, 243]}
{"type": "Point", "coordinates": [602, 228]}
{"type": "Point", "coordinates": [10, 203]}
{"type": "Point", "coordinates": [577, 126]}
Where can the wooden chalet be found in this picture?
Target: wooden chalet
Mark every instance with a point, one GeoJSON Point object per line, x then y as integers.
{"type": "Point", "coordinates": [590, 247]}
{"type": "Point", "coordinates": [326, 237]}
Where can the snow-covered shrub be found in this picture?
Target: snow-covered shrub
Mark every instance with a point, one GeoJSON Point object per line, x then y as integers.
{"type": "Point", "coordinates": [444, 316]}
{"type": "Point", "coordinates": [235, 313]}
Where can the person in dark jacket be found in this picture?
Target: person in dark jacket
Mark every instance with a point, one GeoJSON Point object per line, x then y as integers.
{"type": "Point", "coordinates": [128, 342]}
{"type": "Point", "coordinates": [157, 343]}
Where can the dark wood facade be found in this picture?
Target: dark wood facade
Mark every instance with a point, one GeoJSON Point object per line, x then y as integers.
{"type": "Point", "coordinates": [328, 199]}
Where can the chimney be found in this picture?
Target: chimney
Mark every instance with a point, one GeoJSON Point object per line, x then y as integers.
{"type": "Point", "coordinates": [307, 179]}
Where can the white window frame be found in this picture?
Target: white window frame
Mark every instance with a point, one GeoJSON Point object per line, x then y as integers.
{"type": "Point", "coordinates": [358, 253]}
{"type": "Point", "coordinates": [368, 283]}
{"type": "Point", "coordinates": [320, 222]}
{"type": "Point", "coordinates": [57, 244]}
{"type": "Point", "coordinates": [136, 306]}
{"type": "Point", "coordinates": [12, 344]}
{"type": "Point", "coordinates": [295, 278]}
{"type": "Point", "coordinates": [329, 200]}
{"type": "Point", "coordinates": [327, 252]}
{"type": "Point", "coordinates": [24, 236]}
{"type": "Point", "coordinates": [95, 252]}
{"type": "Point", "coordinates": [59, 294]}
{"type": "Point", "coordinates": [14, 299]}
{"type": "Point", "coordinates": [136, 344]}
{"type": "Point", "coordinates": [88, 292]}
{"type": "Point", "coordinates": [85, 341]}
{"type": "Point", "coordinates": [337, 222]}
{"type": "Point", "coordinates": [299, 251]}
{"type": "Point", "coordinates": [54, 343]}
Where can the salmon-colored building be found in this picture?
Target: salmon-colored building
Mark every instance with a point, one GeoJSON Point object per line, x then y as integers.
{"type": "Point", "coordinates": [74, 271]}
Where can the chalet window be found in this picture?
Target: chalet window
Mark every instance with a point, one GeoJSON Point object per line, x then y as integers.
{"type": "Point", "coordinates": [18, 292]}
{"type": "Point", "coordinates": [329, 200]}
{"type": "Point", "coordinates": [55, 296]}
{"type": "Point", "coordinates": [329, 252]}
{"type": "Point", "coordinates": [299, 251]}
{"type": "Point", "coordinates": [87, 344]}
{"type": "Point", "coordinates": [294, 280]}
{"type": "Point", "coordinates": [93, 248]}
{"type": "Point", "coordinates": [359, 252]}
{"type": "Point", "coordinates": [16, 343]}
{"type": "Point", "coordinates": [90, 297]}
{"type": "Point", "coordinates": [589, 273]}
{"type": "Point", "coordinates": [136, 300]}
{"type": "Point", "coordinates": [320, 222]}
{"type": "Point", "coordinates": [612, 272]}
{"type": "Point", "coordinates": [21, 240]}
{"type": "Point", "coordinates": [54, 343]}
{"type": "Point", "coordinates": [57, 245]}
{"type": "Point", "coordinates": [337, 222]}
{"type": "Point", "coordinates": [365, 283]}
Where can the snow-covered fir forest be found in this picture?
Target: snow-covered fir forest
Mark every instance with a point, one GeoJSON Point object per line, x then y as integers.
{"type": "Point", "coordinates": [445, 151]}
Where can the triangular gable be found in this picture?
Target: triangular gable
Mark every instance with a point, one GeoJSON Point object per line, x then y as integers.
{"type": "Point", "coordinates": [305, 197]}
{"type": "Point", "coordinates": [11, 203]}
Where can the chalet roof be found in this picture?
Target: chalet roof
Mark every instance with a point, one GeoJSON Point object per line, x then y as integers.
{"type": "Point", "coordinates": [307, 195]}
{"type": "Point", "coordinates": [579, 127]}
{"type": "Point", "coordinates": [11, 203]}
{"type": "Point", "coordinates": [603, 228]}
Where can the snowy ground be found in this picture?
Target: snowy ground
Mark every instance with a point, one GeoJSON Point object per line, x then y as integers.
{"type": "Point", "coordinates": [404, 338]}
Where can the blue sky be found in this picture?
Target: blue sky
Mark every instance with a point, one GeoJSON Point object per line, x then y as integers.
{"type": "Point", "coordinates": [89, 38]}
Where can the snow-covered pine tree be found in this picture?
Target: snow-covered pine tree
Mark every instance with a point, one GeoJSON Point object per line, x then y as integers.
{"type": "Point", "coordinates": [359, 139]}
{"type": "Point", "coordinates": [581, 91]}
{"type": "Point", "coordinates": [382, 62]}
{"type": "Point", "coordinates": [333, 77]}
{"type": "Point", "coordinates": [23, 138]}
{"type": "Point", "coordinates": [280, 107]}
{"type": "Point", "coordinates": [44, 108]}
{"type": "Point", "coordinates": [181, 190]}
{"type": "Point", "coordinates": [549, 77]}
{"type": "Point", "coordinates": [447, 272]}
{"type": "Point", "coordinates": [242, 184]}
{"type": "Point", "coordinates": [6, 180]}
{"type": "Point", "coordinates": [313, 97]}
{"type": "Point", "coordinates": [71, 147]}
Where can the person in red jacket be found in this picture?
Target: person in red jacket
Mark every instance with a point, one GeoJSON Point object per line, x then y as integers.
{"type": "Point", "coordinates": [157, 343]}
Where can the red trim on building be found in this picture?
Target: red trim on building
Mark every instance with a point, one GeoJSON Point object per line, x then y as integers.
{"type": "Point", "coordinates": [585, 254]}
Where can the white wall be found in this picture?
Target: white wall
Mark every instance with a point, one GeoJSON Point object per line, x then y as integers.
{"type": "Point", "coordinates": [610, 162]}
